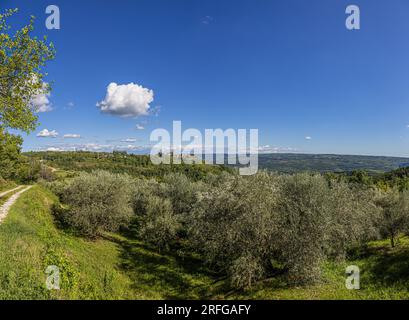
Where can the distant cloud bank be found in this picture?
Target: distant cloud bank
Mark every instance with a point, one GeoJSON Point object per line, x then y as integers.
{"type": "Point", "coordinates": [71, 136]}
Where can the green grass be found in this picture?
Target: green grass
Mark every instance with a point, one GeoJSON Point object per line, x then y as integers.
{"type": "Point", "coordinates": [29, 242]}
{"type": "Point", "coordinates": [121, 267]}
{"type": "Point", "coordinates": [6, 185]}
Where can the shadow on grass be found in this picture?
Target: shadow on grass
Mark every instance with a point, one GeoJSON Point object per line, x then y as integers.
{"type": "Point", "coordinates": [168, 275]}
{"type": "Point", "coordinates": [389, 267]}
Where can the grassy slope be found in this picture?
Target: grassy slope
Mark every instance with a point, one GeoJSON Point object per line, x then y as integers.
{"type": "Point", "coordinates": [6, 185]}
{"type": "Point", "coordinates": [120, 267]}
{"type": "Point", "coordinates": [29, 242]}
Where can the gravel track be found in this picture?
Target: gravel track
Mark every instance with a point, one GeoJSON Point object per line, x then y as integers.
{"type": "Point", "coordinates": [4, 209]}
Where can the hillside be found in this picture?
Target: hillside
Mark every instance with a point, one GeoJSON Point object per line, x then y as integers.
{"type": "Point", "coordinates": [120, 162]}
{"type": "Point", "coordinates": [121, 267]}
{"type": "Point", "coordinates": [291, 163]}
{"type": "Point", "coordinates": [140, 165]}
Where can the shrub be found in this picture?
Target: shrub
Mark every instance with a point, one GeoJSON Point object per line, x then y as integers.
{"type": "Point", "coordinates": [244, 226]}
{"type": "Point", "coordinates": [169, 202]}
{"type": "Point", "coordinates": [303, 223]}
{"type": "Point", "coordinates": [318, 220]}
{"type": "Point", "coordinates": [394, 217]}
{"type": "Point", "coordinates": [233, 226]}
{"type": "Point", "coordinates": [353, 219]}
{"type": "Point", "coordinates": [181, 191]}
{"type": "Point", "coordinates": [158, 225]}
{"type": "Point", "coordinates": [245, 271]}
{"type": "Point", "coordinates": [97, 202]}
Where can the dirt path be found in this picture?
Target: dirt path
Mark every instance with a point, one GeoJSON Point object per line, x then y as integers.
{"type": "Point", "coordinates": [8, 191]}
{"type": "Point", "coordinates": [4, 209]}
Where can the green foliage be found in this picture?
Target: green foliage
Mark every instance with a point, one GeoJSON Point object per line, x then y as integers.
{"type": "Point", "coordinates": [248, 228]}
{"type": "Point", "coordinates": [162, 209]}
{"type": "Point", "coordinates": [395, 213]}
{"type": "Point", "coordinates": [125, 268]}
{"type": "Point", "coordinates": [235, 222]}
{"type": "Point", "coordinates": [245, 226]}
{"type": "Point", "coordinates": [97, 202]}
{"type": "Point", "coordinates": [120, 162]}
{"type": "Point", "coordinates": [22, 58]}
{"type": "Point", "coordinates": [10, 147]}
{"type": "Point", "coordinates": [318, 220]}
{"type": "Point", "coordinates": [30, 242]}
{"type": "Point", "coordinates": [158, 224]}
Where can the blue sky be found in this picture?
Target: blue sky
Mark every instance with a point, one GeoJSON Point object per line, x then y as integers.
{"type": "Point", "coordinates": [288, 68]}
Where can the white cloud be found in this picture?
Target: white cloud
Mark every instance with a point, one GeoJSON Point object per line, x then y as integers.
{"type": "Point", "coordinates": [207, 20]}
{"type": "Point", "coordinates": [139, 127]}
{"type": "Point", "coordinates": [271, 149]}
{"type": "Point", "coordinates": [95, 147]}
{"type": "Point", "coordinates": [47, 134]}
{"type": "Point", "coordinates": [40, 102]}
{"type": "Point", "coordinates": [70, 105]}
{"type": "Point", "coordinates": [129, 140]}
{"type": "Point", "coordinates": [308, 138]}
{"type": "Point", "coordinates": [127, 100]}
{"type": "Point", "coordinates": [71, 136]}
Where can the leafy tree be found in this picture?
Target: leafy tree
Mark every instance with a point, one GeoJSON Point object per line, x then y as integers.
{"type": "Point", "coordinates": [395, 213]}
{"type": "Point", "coordinates": [22, 58]}
{"type": "Point", "coordinates": [97, 202]}
{"type": "Point", "coordinates": [10, 147]}
{"type": "Point", "coordinates": [234, 224]}
{"type": "Point", "coordinates": [158, 225]}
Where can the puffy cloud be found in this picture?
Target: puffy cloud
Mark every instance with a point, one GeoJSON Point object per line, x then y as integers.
{"type": "Point", "coordinates": [129, 140]}
{"type": "Point", "coordinates": [139, 127]}
{"type": "Point", "coordinates": [41, 102]}
{"type": "Point", "coordinates": [127, 100]}
{"type": "Point", "coordinates": [45, 133]}
{"type": "Point", "coordinates": [71, 136]}
{"type": "Point", "coordinates": [308, 138]}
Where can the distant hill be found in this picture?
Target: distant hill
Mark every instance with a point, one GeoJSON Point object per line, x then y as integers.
{"type": "Point", "coordinates": [140, 165]}
{"type": "Point", "coordinates": [291, 163]}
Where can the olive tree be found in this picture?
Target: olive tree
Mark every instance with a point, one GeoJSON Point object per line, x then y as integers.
{"type": "Point", "coordinates": [318, 220]}
{"type": "Point", "coordinates": [233, 227]}
{"type": "Point", "coordinates": [155, 218]}
{"type": "Point", "coordinates": [97, 202]}
{"type": "Point", "coordinates": [394, 217]}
